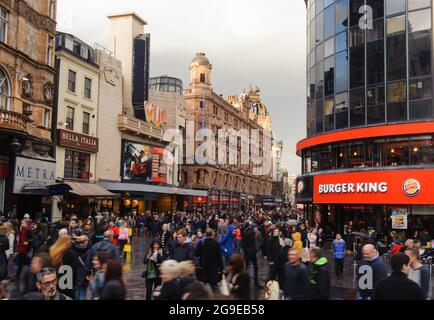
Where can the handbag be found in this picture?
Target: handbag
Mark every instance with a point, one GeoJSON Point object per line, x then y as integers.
{"type": "Point", "coordinates": [127, 248]}
{"type": "Point", "coordinates": [272, 290]}
{"type": "Point", "coordinates": [224, 288]}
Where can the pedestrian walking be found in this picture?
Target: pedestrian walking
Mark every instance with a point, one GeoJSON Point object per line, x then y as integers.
{"type": "Point", "coordinates": [152, 261]}
{"type": "Point", "coordinates": [372, 260]}
{"type": "Point", "coordinates": [296, 277]}
{"type": "Point", "coordinates": [418, 272]}
{"type": "Point", "coordinates": [182, 251]}
{"type": "Point", "coordinates": [169, 290]}
{"type": "Point", "coordinates": [114, 286]}
{"type": "Point", "coordinates": [105, 246]}
{"type": "Point", "coordinates": [250, 253]}
{"type": "Point", "coordinates": [4, 247]}
{"type": "Point", "coordinates": [240, 281]}
{"type": "Point", "coordinates": [319, 279]}
{"type": "Point", "coordinates": [397, 286]}
{"type": "Point", "coordinates": [124, 239]}
{"type": "Point", "coordinates": [339, 255]}
{"type": "Point", "coordinates": [210, 260]}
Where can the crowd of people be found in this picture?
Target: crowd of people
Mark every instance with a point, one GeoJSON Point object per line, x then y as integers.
{"type": "Point", "coordinates": [193, 256]}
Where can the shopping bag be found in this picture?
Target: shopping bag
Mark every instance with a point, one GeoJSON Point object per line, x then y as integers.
{"type": "Point", "coordinates": [130, 232]}
{"type": "Point", "coordinates": [305, 256]}
{"type": "Point", "coordinates": [224, 288]}
{"type": "Point", "coordinates": [272, 290]}
{"type": "Point", "coordinates": [127, 248]}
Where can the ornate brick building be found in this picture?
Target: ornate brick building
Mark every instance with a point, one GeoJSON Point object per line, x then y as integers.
{"type": "Point", "coordinates": [27, 37]}
{"type": "Point", "coordinates": [228, 186]}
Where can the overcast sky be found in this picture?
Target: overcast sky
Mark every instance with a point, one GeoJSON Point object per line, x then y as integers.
{"type": "Point", "coordinates": [258, 42]}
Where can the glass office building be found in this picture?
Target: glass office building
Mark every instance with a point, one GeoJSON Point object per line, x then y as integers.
{"type": "Point", "coordinates": [370, 115]}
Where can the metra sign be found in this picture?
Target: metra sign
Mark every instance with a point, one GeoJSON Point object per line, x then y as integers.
{"type": "Point", "coordinates": [155, 115]}
{"type": "Point", "coordinates": [33, 172]}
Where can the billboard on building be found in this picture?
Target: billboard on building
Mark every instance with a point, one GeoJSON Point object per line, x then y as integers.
{"type": "Point", "coordinates": [144, 163]}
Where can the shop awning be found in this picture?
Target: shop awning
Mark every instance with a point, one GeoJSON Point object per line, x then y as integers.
{"type": "Point", "coordinates": [147, 188]}
{"type": "Point", "coordinates": [50, 190]}
{"type": "Point", "coordinates": [90, 190]}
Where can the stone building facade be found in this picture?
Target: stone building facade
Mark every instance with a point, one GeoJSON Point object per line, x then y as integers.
{"type": "Point", "coordinates": [229, 186]}
{"type": "Point", "coordinates": [27, 39]}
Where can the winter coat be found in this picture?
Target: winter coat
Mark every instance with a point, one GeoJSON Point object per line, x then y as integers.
{"type": "Point", "coordinates": [210, 260]}
{"type": "Point", "coordinates": [379, 271]}
{"type": "Point", "coordinates": [227, 242]}
{"type": "Point", "coordinates": [272, 248]}
{"type": "Point", "coordinates": [242, 292]}
{"type": "Point", "coordinates": [279, 266]}
{"type": "Point", "coordinates": [169, 291]}
{"type": "Point", "coordinates": [248, 244]}
{"type": "Point", "coordinates": [4, 246]}
{"type": "Point", "coordinates": [319, 280]}
{"type": "Point", "coordinates": [102, 246]}
{"type": "Point", "coordinates": [296, 281]}
{"type": "Point", "coordinates": [183, 252]}
{"type": "Point", "coordinates": [24, 236]}
{"type": "Point", "coordinates": [113, 290]}
{"type": "Point", "coordinates": [397, 287]}
{"type": "Point", "coordinates": [339, 249]}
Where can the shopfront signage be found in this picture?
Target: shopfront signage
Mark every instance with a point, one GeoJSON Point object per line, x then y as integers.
{"type": "Point", "coordinates": [33, 173]}
{"type": "Point", "coordinates": [156, 115]}
{"type": "Point", "coordinates": [77, 141]}
{"type": "Point", "coordinates": [409, 187]}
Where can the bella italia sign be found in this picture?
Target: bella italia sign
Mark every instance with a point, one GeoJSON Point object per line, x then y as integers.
{"type": "Point", "coordinates": [33, 173]}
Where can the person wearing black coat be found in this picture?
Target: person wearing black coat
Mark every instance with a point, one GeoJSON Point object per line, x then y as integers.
{"type": "Point", "coordinates": [4, 246]}
{"type": "Point", "coordinates": [248, 244]}
{"type": "Point", "coordinates": [81, 248]}
{"type": "Point", "coordinates": [397, 286]}
{"type": "Point", "coordinates": [182, 251]}
{"type": "Point", "coordinates": [169, 271]}
{"type": "Point", "coordinates": [240, 280]}
{"type": "Point", "coordinates": [210, 260]}
{"type": "Point", "coordinates": [272, 250]}
{"type": "Point", "coordinates": [281, 260]}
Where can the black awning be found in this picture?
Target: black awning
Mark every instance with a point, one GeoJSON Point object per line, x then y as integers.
{"type": "Point", "coordinates": [58, 189]}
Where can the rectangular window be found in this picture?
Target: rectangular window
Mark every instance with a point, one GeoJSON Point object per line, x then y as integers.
{"type": "Point", "coordinates": [51, 9]}
{"type": "Point", "coordinates": [319, 26]}
{"type": "Point", "coordinates": [418, 4]}
{"type": "Point", "coordinates": [70, 118]}
{"type": "Point", "coordinates": [69, 43]}
{"type": "Point", "coordinates": [3, 25]}
{"type": "Point", "coordinates": [319, 77]}
{"type": "Point", "coordinates": [329, 117]}
{"type": "Point", "coordinates": [396, 101]}
{"type": "Point", "coordinates": [50, 50]}
{"type": "Point", "coordinates": [77, 165]}
{"type": "Point", "coordinates": [72, 78]}
{"type": "Point", "coordinates": [355, 14]}
{"type": "Point", "coordinates": [88, 88]}
{"type": "Point", "coordinates": [202, 77]}
{"type": "Point", "coordinates": [395, 6]}
{"type": "Point", "coordinates": [357, 68]}
{"type": "Point", "coordinates": [375, 105]}
{"type": "Point", "coordinates": [341, 42]}
{"type": "Point", "coordinates": [329, 47]}
{"type": "Point", "coordinates": [47, 118]}
{"type": "Point", "coordinates": [341, 102]}
{"type": "Point", "coordinates": [86, 122]}
{"type": "Point", "coordinates": [329, 76]}
{"type": "Point", "coordinates": [329, 22]}
{"type": "Point", "coordinates": [357, 107]}
{"type": "Point", "coordinates": [421, 99]}
{"type": "Point", "coordinates": [341, 15]}
{"type": "Point", "coordinates": [375, 62]}
{"type": "Point", "coordinates": [396, 62]}
{"type": "Point", "coordinates": [419, 52]}
{"type": "Point", "coordinates": [419, 20]}
{"type": "Point", "coordinates": [395, 25]}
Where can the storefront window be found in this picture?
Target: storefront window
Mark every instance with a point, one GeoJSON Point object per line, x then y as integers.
{"type": "Point", "coordinates": [326, 158]}
{"type": "Point", "coordinates": [339, 156]}
{"type": "Point", "coordinates": [356, 155]}
{"type": "Point", "coordinates": [422, 150]}
{"type": "Point", "coordinates": [77, 165]}
{"type": "Point", "coordinates": [396, 152]}
{"type": "Point", "coordinates": [374, 153]}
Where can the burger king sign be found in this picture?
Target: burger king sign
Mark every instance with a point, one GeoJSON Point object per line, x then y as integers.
{"type": "Point", "coordinates": [411, 187]}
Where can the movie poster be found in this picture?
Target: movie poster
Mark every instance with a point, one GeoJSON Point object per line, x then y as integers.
{"type": "Point", "coordinates": [143, 163]}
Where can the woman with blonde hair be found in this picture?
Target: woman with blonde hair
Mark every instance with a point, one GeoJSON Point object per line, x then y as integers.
{"type": "Point", "coordinates": [187, 271]}
{"type": "Point", "coordinates": [62, 254]}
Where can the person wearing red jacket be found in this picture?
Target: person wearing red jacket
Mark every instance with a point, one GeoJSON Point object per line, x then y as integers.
{"type": "Point", "coordinates": [24, 245]}
{"type": "Point", "coordinates": [115, 229]}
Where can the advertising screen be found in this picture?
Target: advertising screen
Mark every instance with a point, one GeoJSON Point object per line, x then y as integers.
{"type": "Point", "coordinates": [144, 163]}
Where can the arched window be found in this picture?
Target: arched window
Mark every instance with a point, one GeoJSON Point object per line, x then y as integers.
{"type": "Point", "coordinates": [5, 90]}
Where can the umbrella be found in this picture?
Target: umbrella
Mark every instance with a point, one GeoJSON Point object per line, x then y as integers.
{"type": "Point", "coordinates": [361, 235]}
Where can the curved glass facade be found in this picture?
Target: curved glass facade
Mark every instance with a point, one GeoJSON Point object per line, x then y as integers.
{"type": "Point", "coordinates": [166, 84]}
{"type": "Point", "coordinates": [361, 74]}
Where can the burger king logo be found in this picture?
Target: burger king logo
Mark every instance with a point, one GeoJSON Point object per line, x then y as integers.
{"type": "Point", "coordinates": [411, 187]}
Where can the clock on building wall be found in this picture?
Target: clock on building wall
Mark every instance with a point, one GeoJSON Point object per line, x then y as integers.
{"type": "Point", "coordinates": [49, 92]}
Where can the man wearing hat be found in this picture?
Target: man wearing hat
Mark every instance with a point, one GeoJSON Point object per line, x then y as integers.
{"type": "Point", "coordinates": [4, 246]}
